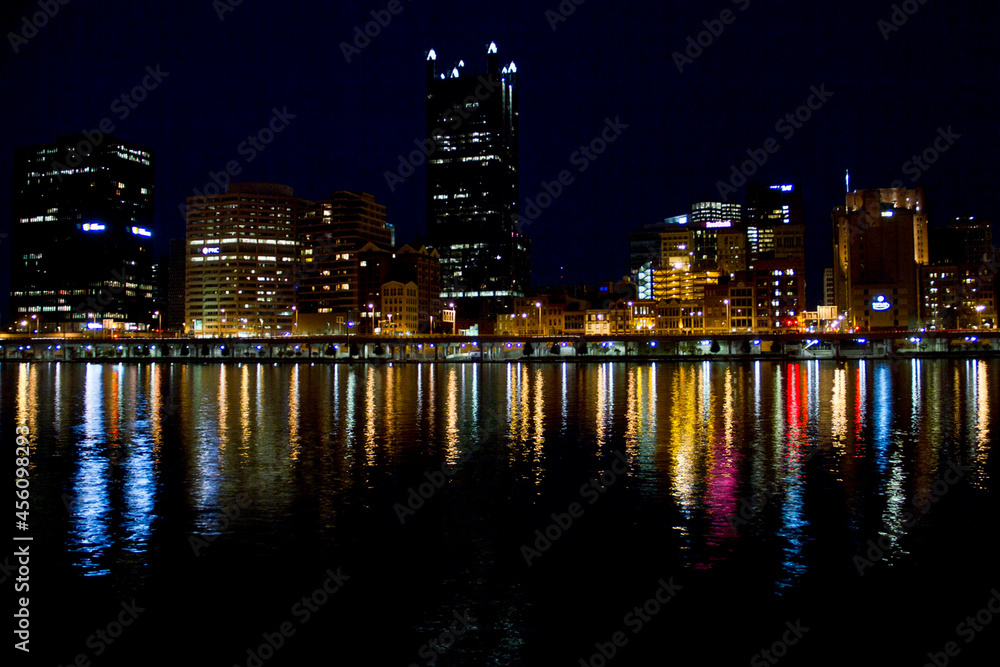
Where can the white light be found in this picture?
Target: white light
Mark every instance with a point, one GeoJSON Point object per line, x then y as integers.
{"type": "Point", "coordinates": [493, 48]}
{"type": "Point", "coordinates": [431, 55]}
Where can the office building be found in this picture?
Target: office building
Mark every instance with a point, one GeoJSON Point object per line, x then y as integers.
{"type": "Point", "coordinates": [768, 209]}
{"type": "Point", "coordinates": [241, 261]}
{"type": "Point", "coordinates": [957, 296]}
{"type": "Point", "coordinates": [177, 267]}
{"type": "Point", "coordinates": [330, 234]}
{"type": "Point", "coordinates": [81, 253]}
{"type": "Point", "coordinates": [881, 241]}
{"type": "Point", "coordinates": [399, 308]}
{"type": "Point", "coordinates": [472, 185]}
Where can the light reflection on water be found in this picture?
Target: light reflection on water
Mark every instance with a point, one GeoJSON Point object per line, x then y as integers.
{"type": "Point", "coordinates": [701, 436]}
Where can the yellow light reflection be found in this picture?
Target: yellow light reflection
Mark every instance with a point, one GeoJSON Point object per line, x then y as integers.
{"type": "Point", "coordinates": [294, 442]}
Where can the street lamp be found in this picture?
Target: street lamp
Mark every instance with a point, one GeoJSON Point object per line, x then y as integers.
{"type": "Point", "coordinates": [538, 305]}
{"type": "Point", "coordinates": [37, 325]}
{"type": "Point", "coordinates": [295, 325]}
{"type": "Point", "coordinates": [371, 316]}
{"type": "Point", "coordinates": [979, 311]}
{"type": "Point", "coordinates": [159, 320]}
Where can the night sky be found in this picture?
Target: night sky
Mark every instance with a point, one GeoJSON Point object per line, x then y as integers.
{"type": "Point", "coordinates": [605, 60]}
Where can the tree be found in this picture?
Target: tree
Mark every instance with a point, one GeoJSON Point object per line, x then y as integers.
{"type": "Point", "coordinates": [529, 349]}
{"type": "Point", "coordinates": [554, 349]}
{"type": "Point", "coordinates": [581, 347]}
{"type": "Point", "coordinates": [715, 347]}
{"type": "Point", "coordinates": [745, 347]}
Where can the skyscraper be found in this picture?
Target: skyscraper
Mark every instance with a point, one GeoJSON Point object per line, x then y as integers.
{"type": "Point", "coordinates": [472, 184]}
{"type": "Point", "coordinates": [768, 209]}
{"type": "Point", "coordinates": [82, 241]}
{"type": "Point", "coordinates": [241, 261]}
{"type": "Point", "coordinates": [881, 241]}
{"type": "Point", "coordinates": [330, 234]}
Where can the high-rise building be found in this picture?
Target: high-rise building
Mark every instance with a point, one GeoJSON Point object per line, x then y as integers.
{"type": "Point", "coordinates": [241, 261]}
{"type": "Point", "coordinates": [706, 221]}
{"type": "Point", "coordinates": [174, 320]}
{"type": "Point", "coordinates": [957, 296]}
{"type": "Point", "coordinates": [330, 234]}
{"type": "Point", "coordinates": [768, 209]}
{"type": "Point", "coordinates": [881, 241]}
{"type": "Point", "coordinates": [971, 240]}
{"type": "Point", "coordinates": [82, 236]}
{"type": "Point", "coordinates": [472, 184]}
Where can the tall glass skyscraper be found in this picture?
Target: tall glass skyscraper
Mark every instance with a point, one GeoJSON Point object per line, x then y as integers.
{"type": "Point", "coordinates": [82, 242]}
{"type": "Point", "coordinates": [472, 188]}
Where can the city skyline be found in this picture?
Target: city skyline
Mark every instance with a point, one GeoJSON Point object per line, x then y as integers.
{"type": "Point", "coordinates": [686, 128]}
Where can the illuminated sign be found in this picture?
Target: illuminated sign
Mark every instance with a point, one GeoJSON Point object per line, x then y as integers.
{"type": "Point", "coordinates": [139, 231]}
{"type": "Point", "coordinates": [783, 188]}
{"type": "Point", "coordinates": [880, 303]}
{"type": "Point", "coordinates": [718, 223]}
{"type": "Point", "coordinates": [209, 251]}
{"type": "Point", "coordinates": [94, 325]}
{"type": "Point", "coordinates": [887, 214]}
{"type": "Point", "coordinates": [93, 227]}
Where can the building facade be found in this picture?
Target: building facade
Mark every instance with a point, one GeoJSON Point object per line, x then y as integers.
{"type": "Point", "coordinates": [881, 242]}
{"type": "Point", "coordinates": [330, 233]}
{"type": "Point", "coordinates": [242, 253]}
{"type": "Point", "coordinates": [472, 184]}
{"type": "Point", "coordinates": [82, 252]}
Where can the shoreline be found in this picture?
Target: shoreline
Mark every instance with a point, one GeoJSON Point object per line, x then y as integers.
{"type": "Point", "coordinates": [576, 359]}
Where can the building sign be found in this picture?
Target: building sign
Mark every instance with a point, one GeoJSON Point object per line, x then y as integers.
{"type": "Point", "coordinates": [880, 303]}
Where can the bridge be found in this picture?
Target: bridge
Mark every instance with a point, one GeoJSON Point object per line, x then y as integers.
{"type": "Point", "coordinates": [444, 347]}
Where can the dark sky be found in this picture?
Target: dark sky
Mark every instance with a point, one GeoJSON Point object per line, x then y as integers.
{"type": "Point", "coordinates": [606, 60]}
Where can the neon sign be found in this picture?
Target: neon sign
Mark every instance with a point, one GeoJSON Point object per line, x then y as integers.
{"type": "Point", "coordinates": [881, 304]}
